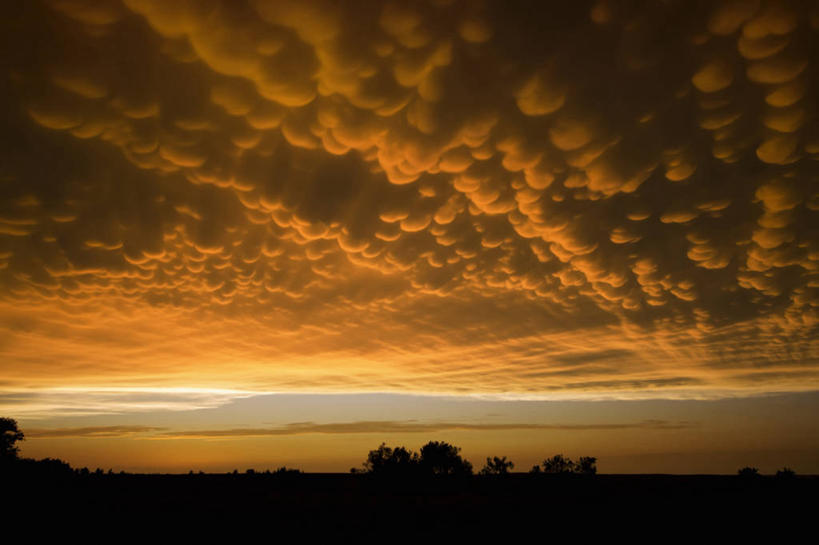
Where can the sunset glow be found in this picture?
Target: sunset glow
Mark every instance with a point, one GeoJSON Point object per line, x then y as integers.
{"type": "Point", "coordinates": [270, 231]}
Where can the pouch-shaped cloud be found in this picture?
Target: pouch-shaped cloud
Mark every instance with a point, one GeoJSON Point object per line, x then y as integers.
{"type": "Point", "coordinates": [368, 195]}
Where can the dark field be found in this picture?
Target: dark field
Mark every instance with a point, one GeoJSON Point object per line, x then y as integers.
{"type": "Point", "coordinates": [356, 506]}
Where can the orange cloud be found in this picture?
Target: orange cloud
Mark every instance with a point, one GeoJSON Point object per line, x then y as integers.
{"type": "Point", "coordinates": [307, 196]}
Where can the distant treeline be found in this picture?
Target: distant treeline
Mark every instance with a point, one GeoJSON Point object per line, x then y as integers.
{"type": "Point", "coordinates": [435, 459]}
{"type": "Point", "coordinates": [438, 458]}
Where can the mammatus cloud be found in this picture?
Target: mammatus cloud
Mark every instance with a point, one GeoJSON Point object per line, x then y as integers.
{"type": "Point", "coordinates": [464, 197]}
{"type": "Point", "coordinates": [301, 428]}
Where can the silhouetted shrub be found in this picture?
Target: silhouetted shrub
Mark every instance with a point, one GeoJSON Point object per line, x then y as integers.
{"type": "Point", "coordinates": [440, 458]}
{"type": "Point", "coordinates": [9, 435]}
{"type": "Point", "coordinates": [53, 468]}
{"type": "Point", "coordinates": [46, 470]}
{"type": "Point", "coordinates": [535, 469]}
{"type": "Point", "coordinates": [587, 465]}
{"type": "Point", "coordinates": [287, 472]}
{"type": "Point", "coordinates": [748, 472]}
{"type": "Point", "coordinates": [387, 461]}
{"type": "Point", "coordinates": [435, 459]}
{"type": "Point", "coordinates": [559, 464]}
{"type": "Point", "coordinates": [785, 473]}
{"type": "Point", "coordinates": [497, 466]}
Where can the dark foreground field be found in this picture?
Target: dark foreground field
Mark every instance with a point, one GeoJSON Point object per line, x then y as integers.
{"type": "Point", "coordinates": [353, 506]}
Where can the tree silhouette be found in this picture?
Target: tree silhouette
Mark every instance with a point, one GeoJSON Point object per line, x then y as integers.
{"type": "Point", "coordinates": [52, 468]}
{"type": "Point", "coordinates": [385, 461]}
{"type": "Point", "coordinates": [748, 472]}
{"type": "Point", "coordinates": [441, 458]}
{"type": "Point", "coordinates": [558, 464]}
{"type": "Point", "coordinates": [785, 473]}
{"type": "Point", "coordinates": [285, 471]}
{"type": "Point", "coordinates": [587, 465]}
{"type": "Point", "coordinates": [435, 458]}
{"type": "Point", "coordinates": [9, 435]}
{"type": "Point", "coordinates": [497, 466]}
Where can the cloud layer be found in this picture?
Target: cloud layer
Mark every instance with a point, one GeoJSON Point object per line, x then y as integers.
{"type": "Point", "coordinates": [464, 197]}
{"type": "Point", "coordinates": [335, 428]}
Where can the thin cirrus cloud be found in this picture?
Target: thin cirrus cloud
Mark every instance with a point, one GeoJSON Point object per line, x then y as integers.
{"type": "Point", "coordinates": [360, 427]}
{"type": "Point", "coordinates": [91, 432]}
{"type": "Point", "coordinates": [452, 197]}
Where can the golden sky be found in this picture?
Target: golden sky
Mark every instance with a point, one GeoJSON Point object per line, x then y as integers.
{"type": "Point", "coordinates": [205, 202]}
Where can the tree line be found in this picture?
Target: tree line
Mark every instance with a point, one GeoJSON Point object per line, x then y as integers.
{"type": "Point", "coordinates": [438, 458]}
{"type": "Point", "coordinates": [434, 459]}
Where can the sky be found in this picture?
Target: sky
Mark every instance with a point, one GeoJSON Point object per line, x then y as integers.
{"type": "Point", "coordinates": [269, 232]}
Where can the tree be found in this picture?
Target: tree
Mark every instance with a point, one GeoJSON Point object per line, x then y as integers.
{"type": "Point", "coordinates": [9, 435]}
{"type": "Point", "coordinates": [497, 466]}
{"type": "Point", "coordinates": [285, 471]}
{"type": "Point", "coordinates": [391, 461]}
{"type": "Point", "coordinates": [587, 465]}
{"type": "Point", "coordinates": [52, 468]}
{"type": "Point", "coordinates": [748, 472]}
{"type": "Point", "coordinates": [558, 464]}
{"type": "Point", "coordinates": [436, 458]}
{"type": "Point", "coordinates": [785, 473]}
{"type": "Point", "coordinates": [440, 458]}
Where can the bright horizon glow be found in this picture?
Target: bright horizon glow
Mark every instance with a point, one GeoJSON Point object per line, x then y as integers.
{"type": "Point", "coordinates": [334, 433]}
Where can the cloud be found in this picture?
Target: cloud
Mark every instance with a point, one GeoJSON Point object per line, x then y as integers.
{"type": "Point", "coordinates": [91, 432]}
{"type": "Point", "coordinates": [34, 403]}
{"type": "Point", "coordinates": [381, 427]}
{"type": "Point", "coordinates": [278, 195]}
{"type": "Point", "coordinates": [337, 428]}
